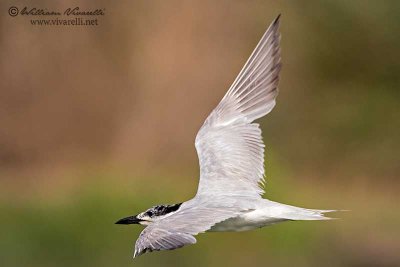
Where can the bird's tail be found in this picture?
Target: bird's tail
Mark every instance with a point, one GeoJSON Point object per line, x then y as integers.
{"type": "Point", "coordinates": [288, 212]}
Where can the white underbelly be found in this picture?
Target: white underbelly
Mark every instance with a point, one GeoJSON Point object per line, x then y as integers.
{"type": "Point", "coordinates": [245, 222]}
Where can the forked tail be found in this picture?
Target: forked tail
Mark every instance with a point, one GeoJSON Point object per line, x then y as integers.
{"type": "Point", "coordinates": [288, 212]}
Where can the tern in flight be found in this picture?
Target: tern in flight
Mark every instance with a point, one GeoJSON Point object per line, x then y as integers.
{"type": "Point", "coordinates": [231, 155]}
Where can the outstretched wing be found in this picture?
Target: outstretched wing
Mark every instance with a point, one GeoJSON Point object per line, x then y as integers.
{"type": "Point", "coordinates": [229, 145]}
{"type": "Point", "coordinates": [193, 217]}
{"type": "Point", "coordinates": [154, 239]}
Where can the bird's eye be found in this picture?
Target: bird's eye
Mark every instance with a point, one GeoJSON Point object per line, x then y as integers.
{"type": "Point", "coordinates": [149, 213]}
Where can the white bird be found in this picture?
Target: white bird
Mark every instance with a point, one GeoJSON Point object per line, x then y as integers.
{"type": "Point", "coordinates": [231, 155]}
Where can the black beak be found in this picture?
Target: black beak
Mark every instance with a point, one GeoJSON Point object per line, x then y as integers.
{"type": "Point", "coordinates": [129, 220]}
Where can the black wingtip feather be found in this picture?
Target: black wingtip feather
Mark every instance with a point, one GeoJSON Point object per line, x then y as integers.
{"type": "Point", "coordinates": [276, 21]}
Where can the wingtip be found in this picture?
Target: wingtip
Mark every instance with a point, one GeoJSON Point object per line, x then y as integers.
{"type": "Point", "coordinates": [277, 19]}
{"type": "Point", "coordinates": [135, 254]}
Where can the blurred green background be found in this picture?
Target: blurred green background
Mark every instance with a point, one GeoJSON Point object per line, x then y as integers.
{"type": "Point", "coordinates": [98, 123]}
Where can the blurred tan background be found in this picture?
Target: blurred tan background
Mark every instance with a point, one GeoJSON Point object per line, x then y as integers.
{"type": "Point", "coordinates": [98, 123]}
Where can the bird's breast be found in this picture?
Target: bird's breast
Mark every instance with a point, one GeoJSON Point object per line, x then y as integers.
{"type": "Point", "coordinates": [245, 222]}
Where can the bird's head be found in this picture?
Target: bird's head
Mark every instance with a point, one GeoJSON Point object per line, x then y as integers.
{"type": "Point", "coordinates": [151, 215]}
